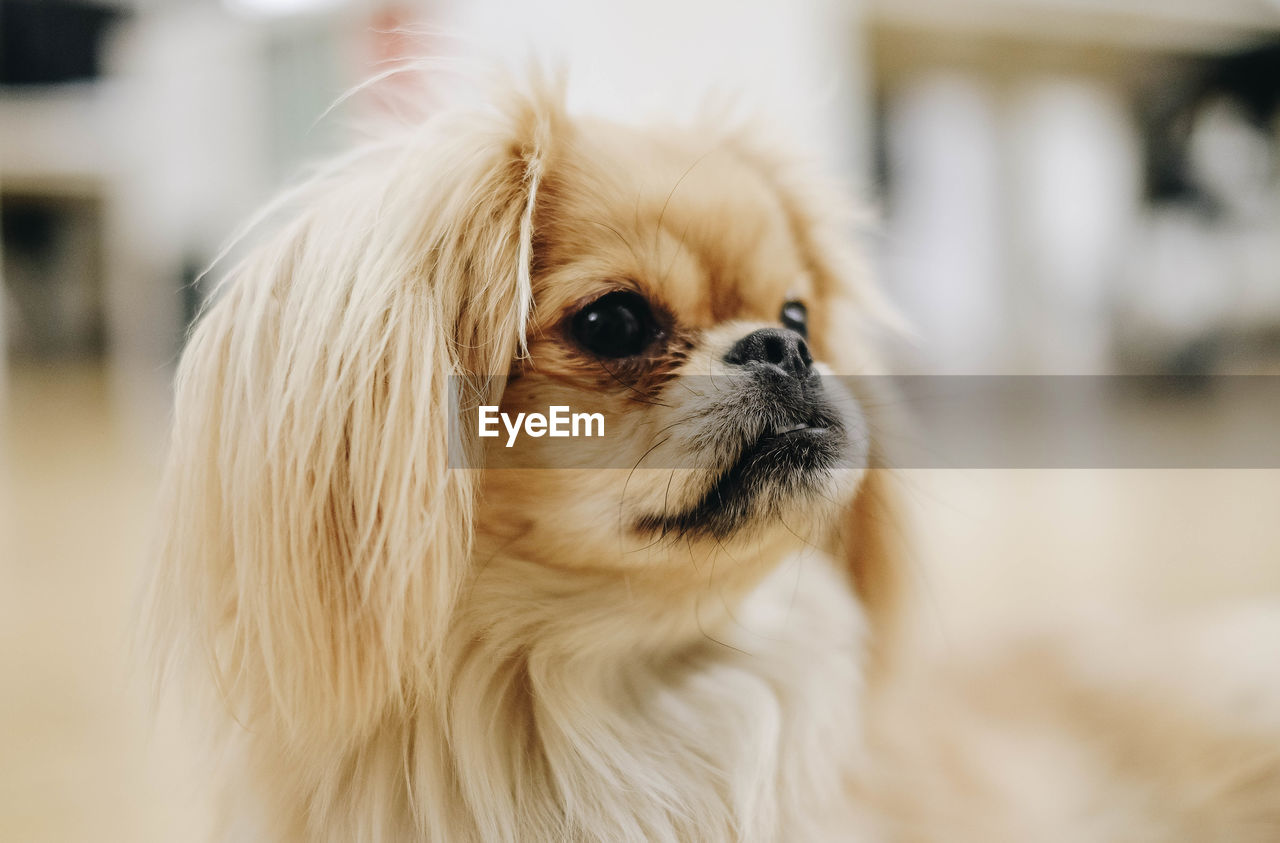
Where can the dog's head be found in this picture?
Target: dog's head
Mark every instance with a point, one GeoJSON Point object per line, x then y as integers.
{"type": "Point", "coordinates": [332, 498]}
{"type": "Point", "coordinates": [684, 293]}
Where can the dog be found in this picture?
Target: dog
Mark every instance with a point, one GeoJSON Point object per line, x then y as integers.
{"type": "Point", "coordinates": [397, 628]}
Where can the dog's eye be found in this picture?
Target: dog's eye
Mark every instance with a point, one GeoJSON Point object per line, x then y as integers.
{"type": "Point", "coordinates": [618, 324]}
{"type": "Point", "coordinates": [795, 316]}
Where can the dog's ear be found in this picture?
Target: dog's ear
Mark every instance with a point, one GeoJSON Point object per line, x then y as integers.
{"type": "Point", "coordinates": [872, 543]}
{"type": "Point", "coordinates": [316, 530]}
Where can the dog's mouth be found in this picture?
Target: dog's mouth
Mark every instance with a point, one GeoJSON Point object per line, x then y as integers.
{"type": "Point", "coordinates": [796, 446]}
{"type": "Point", "coordinates": [774, 465]}
{"type": "Point", "coordinates": [798, 427]}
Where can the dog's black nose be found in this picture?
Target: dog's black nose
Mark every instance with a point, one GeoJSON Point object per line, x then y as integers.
{"type": "Point", "coordinates": [773, 346]}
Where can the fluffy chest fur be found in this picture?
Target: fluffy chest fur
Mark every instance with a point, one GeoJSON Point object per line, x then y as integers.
{"type": "Point", "coordinates": [751, 734]}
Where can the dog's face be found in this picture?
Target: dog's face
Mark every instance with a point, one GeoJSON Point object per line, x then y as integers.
{"type": "Point", "coordinates": [328, 538]}
{"type": "Point", "coordinates": [676, 294]}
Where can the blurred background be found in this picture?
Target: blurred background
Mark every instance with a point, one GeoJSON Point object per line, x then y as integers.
{"type": "Point", "coordinates": [1056, 187]}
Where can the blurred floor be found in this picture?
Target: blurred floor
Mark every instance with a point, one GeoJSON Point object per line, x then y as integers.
{"type": "Point", "coordinates": [77, 486]}
{"type": "Point", "coordinates": [77, 481]}
{"type": "Point", "coordinates": [1011, 547]}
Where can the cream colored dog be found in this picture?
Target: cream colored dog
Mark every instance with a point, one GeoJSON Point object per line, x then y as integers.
{"type": "Point", "coordinates": [683, 630]}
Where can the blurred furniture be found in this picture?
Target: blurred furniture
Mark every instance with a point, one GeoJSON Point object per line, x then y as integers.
{"type": "Point", "coordinates": [1023, 168]}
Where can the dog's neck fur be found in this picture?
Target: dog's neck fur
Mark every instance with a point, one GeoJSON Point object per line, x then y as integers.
{"type": "Point", "coordinates": [750, 730]}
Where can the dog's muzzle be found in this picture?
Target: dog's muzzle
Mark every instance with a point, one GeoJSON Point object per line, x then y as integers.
{"type": "Point", "coordinates": [773, 437]}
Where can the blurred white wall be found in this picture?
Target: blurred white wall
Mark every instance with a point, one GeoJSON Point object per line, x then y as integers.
{"type": "Point", "coordinates": [945, 245]}
{"type": "Point", "coordinates": [1073, 184]}
{"type": "Point", "coordinates": [801, 64]}
{"type": "Point", "coordinates": [191, 156]}
{"type": "Point", "coordinates": [189, 159]}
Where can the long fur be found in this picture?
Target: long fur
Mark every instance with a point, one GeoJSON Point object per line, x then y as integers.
{"type": "Point", "coordinates": [391, 638]}
{"type": "Point", "coordinates": [313, 529]}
